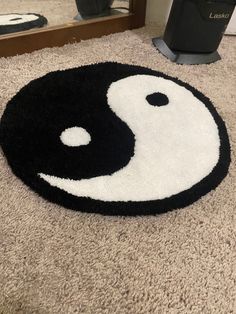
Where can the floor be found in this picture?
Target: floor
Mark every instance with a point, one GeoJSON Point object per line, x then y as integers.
{"type": "Point", "coordinates": [56, 11]}
{"type": "Point", "coordinates": [54, 260]}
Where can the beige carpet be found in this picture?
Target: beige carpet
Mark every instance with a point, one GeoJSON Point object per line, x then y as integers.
{"type": "Point", "coordinates": [58, 261]}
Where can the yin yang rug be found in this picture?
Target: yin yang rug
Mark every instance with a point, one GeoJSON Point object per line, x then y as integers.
{"type": "Point", "coordinates": [15, 22]}
{"type": "Point", "coordinates": [115, 139]}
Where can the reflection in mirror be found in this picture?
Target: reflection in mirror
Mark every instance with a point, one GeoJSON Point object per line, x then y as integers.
{"type": "Point", "coordinates": [20, 15]}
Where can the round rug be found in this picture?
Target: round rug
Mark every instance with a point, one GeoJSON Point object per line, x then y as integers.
{"type": "Point", "coordinates": [115, 139]}
{"type": "Point", "coordinates": [15, 22]}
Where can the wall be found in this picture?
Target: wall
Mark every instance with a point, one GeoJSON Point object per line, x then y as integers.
{"type": "Point", "coordinates": [232, 25]}
{"type": "Point", "coordinates": [158, 11]}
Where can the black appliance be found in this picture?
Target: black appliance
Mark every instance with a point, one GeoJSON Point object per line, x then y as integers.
{"type": "Point", "coordinates": [194, 30]}
{"type": "Point", "coordinates": [93, 8]}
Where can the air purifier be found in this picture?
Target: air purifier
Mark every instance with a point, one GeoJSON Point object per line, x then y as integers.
{"type": "Point", "coordinates": [194, 30]}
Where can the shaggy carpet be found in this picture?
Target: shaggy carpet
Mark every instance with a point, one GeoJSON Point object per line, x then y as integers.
{"type": "Point", "coordinates": [54, 260]}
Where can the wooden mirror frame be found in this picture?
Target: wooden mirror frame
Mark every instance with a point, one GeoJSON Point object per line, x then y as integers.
{"type": "Point", "coordinates": [56, 36]}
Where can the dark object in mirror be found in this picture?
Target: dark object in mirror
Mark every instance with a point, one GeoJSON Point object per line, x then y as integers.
{"type": "Point", "coordinates": [92, 8]}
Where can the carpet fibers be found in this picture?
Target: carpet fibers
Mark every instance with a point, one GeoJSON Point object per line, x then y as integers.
{"type": "Point", "coordinates": [54, 260]}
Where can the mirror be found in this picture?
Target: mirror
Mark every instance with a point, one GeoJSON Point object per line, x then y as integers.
{"type": "Point", "coordinates": [22, 15]}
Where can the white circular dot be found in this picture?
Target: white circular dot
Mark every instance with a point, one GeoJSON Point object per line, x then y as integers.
{"type": "Point", "coordinates": [75, 137]}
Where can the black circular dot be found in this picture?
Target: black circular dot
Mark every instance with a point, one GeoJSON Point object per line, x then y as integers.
{"type": "Point", "coordinates": [157, 99]}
